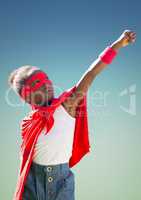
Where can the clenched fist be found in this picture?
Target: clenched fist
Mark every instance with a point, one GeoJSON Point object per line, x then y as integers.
{"type": "Point", "coordinates": [126, 38]}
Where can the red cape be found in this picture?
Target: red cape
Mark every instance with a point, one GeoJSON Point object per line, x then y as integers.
{"type": "Point", "coordinates": [32, 126]}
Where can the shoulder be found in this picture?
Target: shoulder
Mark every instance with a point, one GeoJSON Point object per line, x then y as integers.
{"type": "Point", "coordinates": [70, 108]}
{"type": "Point", "coordinates": [73, 101]}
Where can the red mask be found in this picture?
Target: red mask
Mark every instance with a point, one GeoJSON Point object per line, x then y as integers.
{"type": "Point", "coordinates": [27, 89]}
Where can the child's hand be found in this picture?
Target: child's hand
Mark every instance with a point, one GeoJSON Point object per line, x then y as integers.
{"type": "Point", "coordinates": [126, 38]}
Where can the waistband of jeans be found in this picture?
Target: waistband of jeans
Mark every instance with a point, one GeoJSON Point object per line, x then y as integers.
{"type": "Point", "coordinates": [55, 168]}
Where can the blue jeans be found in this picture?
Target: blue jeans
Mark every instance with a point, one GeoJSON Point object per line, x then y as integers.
{"type": "Point", "coordinates": [50, 182]}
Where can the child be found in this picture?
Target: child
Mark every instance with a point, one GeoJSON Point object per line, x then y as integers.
{"type": "Point", "coordinates": [55, 133]}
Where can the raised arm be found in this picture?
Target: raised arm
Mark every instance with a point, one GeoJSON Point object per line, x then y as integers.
{"type": "Point", "coordinates": [96, 67]}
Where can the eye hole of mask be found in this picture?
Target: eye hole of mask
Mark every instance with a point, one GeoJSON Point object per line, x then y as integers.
{"type": "Point", "coordinates": [34, 82]}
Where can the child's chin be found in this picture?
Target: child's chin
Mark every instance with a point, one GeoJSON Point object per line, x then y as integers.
{"type": "Point", "coordinates": [37, 103]}
{"type": "Point", "coordinates": [42, 103]}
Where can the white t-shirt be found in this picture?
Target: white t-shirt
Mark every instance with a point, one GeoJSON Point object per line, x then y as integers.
{"type": "Point", "coordinates": [56, 146]}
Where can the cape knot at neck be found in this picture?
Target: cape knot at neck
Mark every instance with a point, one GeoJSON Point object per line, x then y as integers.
{"type": "Point", "coordinates": [45, 114]}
